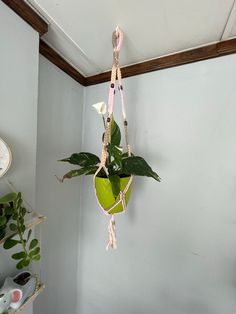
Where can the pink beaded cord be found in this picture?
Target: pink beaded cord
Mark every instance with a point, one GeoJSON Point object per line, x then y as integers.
{"type": "Point", "coordinates": [117, 40]}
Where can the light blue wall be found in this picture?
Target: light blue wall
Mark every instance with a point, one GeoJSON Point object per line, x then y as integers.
{"type": "Point", "coordinates": [59, 135]}
{"type": "Point", "coordinates": [176, 243]}
{"type": "Point", "coordinates": [18, 109]}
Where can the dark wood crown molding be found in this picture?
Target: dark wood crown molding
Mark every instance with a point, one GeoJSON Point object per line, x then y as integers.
{"type": "Point", "coordinates": [215, 50]}
{"type": "Point", "coordinates": [28, 15]}
{"type": "Point", "coordinates": [61, 63]}
{"type": "Point", "coordinates": [198, 54]}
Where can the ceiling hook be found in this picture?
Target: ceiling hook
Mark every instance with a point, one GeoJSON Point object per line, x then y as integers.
{"type": "Point", "coordinates": [117, 38]}
{"type": "Point", "coordinates": [117, 30]}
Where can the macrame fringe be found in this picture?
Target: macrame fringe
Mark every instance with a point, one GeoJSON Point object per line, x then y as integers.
{"type": "Point", "coordinates": [112, 234]}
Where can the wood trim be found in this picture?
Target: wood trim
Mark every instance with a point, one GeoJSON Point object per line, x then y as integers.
{"type": "Point", "coordinates": [61, 63]}
{"type": "Point", "coordinates": [28, 15]}
{"type": "Point", "coordinates": [215, 50]}
{"type": "Point", "coordinates": [198, 54]}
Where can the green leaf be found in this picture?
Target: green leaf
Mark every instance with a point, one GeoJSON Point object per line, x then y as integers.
{"type": "Point", "coordinates": [22, 229]}
{"type": "Point", "coordinates": [79, 172]}
{"type": "Point", "coordinates": [125, 155]}
{"type": "Point", "coordinates": [29, 234]}
{"type": "Point", "coordinates": [115, 134]}
{"type": "Point", "coordinates": [92, 170]}
{"type": "Point", "coordinates": [115, 184]}
{"type": "Point", "coordinates": [14, 216]}
{"type": "Point", "coordinates": [34, 252]}
{"type": "Point", "coordinates": [13, 227]}
{"type": "Point", "coordinates": [101, 174]}
{"type": "Point", "coordinates": [3, 220]}
{"type": "Point", "coordinates": [82, 159]}
{"type": "Point", "coordinates": [115, 154]}
{"type": "Point", "coordinates": [33, 244]}
{"type": "Point", "coordinates": [138, 166]}
{"type": "Point", "coordinates": [8, 198]}
{"type": "Point", "coordinates": [8, 210]}
{"type": "Point", "coordinates": [23, 211]}
{"type": "Point", "coordinates": [26, 262]}
{"type": "Point", "coordinates": [37, 257]}
{"type": "Point", "coordinates": [2, 233]}
{"type": "Point", "coordinates": [18, 201]}
{"type": "Point", "coordinates": [20, 264]}
{"type": "Point", "coordinates": [19, 255]}
{"type": "Point", "coordinates": [9, 243]}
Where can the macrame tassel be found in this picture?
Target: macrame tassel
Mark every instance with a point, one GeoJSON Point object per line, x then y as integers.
{"type": "Point", "coordinates": [112, 234]}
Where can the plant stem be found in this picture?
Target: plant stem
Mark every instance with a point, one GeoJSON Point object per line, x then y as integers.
{"type": "Point", "coordinates": [104, 122]}
{"type": "Point", "coordinates": [20, 234]}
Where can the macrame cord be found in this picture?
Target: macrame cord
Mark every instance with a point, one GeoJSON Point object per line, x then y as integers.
{"type": "Point", "coordinates": [117, 39]}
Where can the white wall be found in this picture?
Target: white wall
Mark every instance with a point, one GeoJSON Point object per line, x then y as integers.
{"type": "Point", "coordinates": [176, 243]}
{"type": "Point", "coordinates": [18, 110]}
{"type": "Point", "coordinates": [59, 135]}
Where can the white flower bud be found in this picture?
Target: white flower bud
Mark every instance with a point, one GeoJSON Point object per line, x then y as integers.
{"type": "Point", "coordinates": [100, 107]}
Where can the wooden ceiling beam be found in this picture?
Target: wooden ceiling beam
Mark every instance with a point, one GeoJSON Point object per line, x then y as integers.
{"type": "Point", "coordinates": [21, 8]}
{"type": "Point", "coordinates": [180, 58]}
{"type": "Point", "coordinates": [60, 62]}
{"type": "Point", "coordinates": [215, 50]}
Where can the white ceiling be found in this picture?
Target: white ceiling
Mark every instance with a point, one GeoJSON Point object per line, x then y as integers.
{"type": "Point", "coordinates": [80, 30]}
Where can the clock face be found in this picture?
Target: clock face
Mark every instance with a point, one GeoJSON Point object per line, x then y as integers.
{"type": "Point", "coordinates": [5, 157]}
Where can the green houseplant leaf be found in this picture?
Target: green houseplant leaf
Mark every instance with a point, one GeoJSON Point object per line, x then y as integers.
{"type": "Point", "coordinates": [34, 252]}
{"type": "Point", "coordinates": [37, 257]}
{"type": "Point", "coordinates": [115, 184]}
{"type": "Point", "coordinates": [2, 232]}
{"type": "Point", "coordinates": [9, 243]}
{"type": "Point", "coordinates": [115, 174]}
{"type": "Point", "coordinates": [125, 155]}
{"type": "Point", "coordinates": [19, 255]}
{"type": "Point", "coordinates": [3, 220]}
{"type": "Point", "coordinates": [115, 134]}
{"type": "Point", "coordinates": [33, 244]}
{"type": "Point", "coordinates": [79, 172]}
{"type": "Point", "coordinates": [10, 197]}
{"type": "Point", "coordinates": [82, 159]}
{"type": "Point", "coordinates": [12, 215]}
{"type": "Point", "coordinates": [115, 154]}
{"type": "Point", "coordinates": [20, 264]}
{"type": "Point", "coordinates": [138, 166]}
{"type": "Point", "coordinates": [13, 227]}
{"type": "Point", "coordinates": [29, 234]}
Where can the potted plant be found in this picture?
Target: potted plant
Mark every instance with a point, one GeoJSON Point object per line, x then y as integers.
{"type": "Point", "coordinates": [12, 217]}
{"type": "Point", "coordinates": [120, 167]}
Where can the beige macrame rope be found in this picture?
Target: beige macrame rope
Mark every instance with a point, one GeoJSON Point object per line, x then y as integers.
{"type": "Point", "coordinates": [115, 74]}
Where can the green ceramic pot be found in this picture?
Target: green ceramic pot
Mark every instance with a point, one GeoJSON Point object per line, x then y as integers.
{"type": "Point", "coordinates": [106, 197]}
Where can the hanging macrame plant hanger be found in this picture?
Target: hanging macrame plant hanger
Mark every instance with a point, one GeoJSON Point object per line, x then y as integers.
{"type": "Point", "coordinates": [109, 205]}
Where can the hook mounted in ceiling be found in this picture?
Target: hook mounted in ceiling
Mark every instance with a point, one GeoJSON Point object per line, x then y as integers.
{"type": "Point", "coordinates": [117, 38]}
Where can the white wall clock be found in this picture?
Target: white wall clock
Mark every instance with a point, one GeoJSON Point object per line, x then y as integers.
{"type": "Point", "coordinates": [5, 157]}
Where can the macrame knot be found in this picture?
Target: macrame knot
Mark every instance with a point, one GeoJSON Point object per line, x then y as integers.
{"type": "Point", "coordinates": [112, 234]}
{"type": "Point", "coordinates": [122, 198]}
{"type": "Point", "coordinates": [116, 57]}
